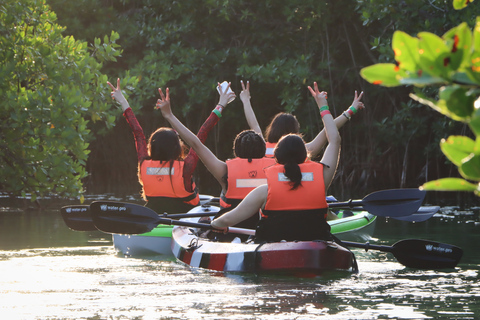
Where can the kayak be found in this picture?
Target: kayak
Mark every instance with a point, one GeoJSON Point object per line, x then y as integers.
{"type": "Point", "coordinates": [297, 258]}
{"type": "Point", "coordinates": [358, 225]}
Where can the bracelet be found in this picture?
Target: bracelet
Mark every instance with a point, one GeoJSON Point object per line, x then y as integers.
{"type": "Point", "coordinates": [347, 115]}
{"type": "Point", "coordinates": [350, 112]}
{"type": "Point", "coordinates": [218, 113]}
{"type": "Point", "coordinates": [324, 108]}
{"type": "Point", "coordinates": [353, 109]}
{"type": "Point", "coordinates": [219, 107]}
{"type": "Point", "coordinates": [323, 113]}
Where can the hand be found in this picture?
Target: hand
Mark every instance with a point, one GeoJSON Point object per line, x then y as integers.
{"type": "Point", "coordinates": [164, 102]}
{"type": "Point", "coordinates": [320, 97]}
{"type": "Point", "coordinates": [225, 97]}
{"type": "Point", "coordinates": [217, 228]}
{"type": "Point", "coordinates": [357, 104]}
{"type": "Point", "coordinates": [245, 94]}
{"type": "Point", "coordinates": [118, 95]}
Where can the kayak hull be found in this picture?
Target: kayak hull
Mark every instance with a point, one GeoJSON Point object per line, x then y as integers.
{"type": "Point", "coordinates": [358, 227]}
{"type": "Point", "coordinates": [299, 258]}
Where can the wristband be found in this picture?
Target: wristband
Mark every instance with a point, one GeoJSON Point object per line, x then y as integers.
{"type": "Point", "coordinates": [324, 108]}
{"type": "Point", "coordinates": [353, 109]}
{"type": "Point", "coordinates": [218, 113]}
{"type": "Point", "coordinates": [323, 113]}
{"type": "Point", "coordinates": [350, 112]}
{"type": "Point", "coordinates": [347, 115]}
{"type": "Point", "coordinates": [219, 107]}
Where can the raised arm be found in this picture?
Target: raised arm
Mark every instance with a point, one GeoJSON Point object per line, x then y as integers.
{"type": "Point", "coordinates": [248, 110]}
{"type": "Point", "coordinates": [332, 152]}
{"type": "Point", "coordinates": [315, 146]}
{"type": "Point", "coordinates": [249, 206]}
{"type": "Point", "coordinates": [216, 167]}
{"type": "Point", "coordinates": [140, 142]}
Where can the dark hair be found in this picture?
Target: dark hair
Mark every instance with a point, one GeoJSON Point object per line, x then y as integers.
{"type": "Point", "coordinates": [163, 145]}
{"type": "Point", "coordinates": [290, 151]}
{"type": "Point", "coordinates": [249, 145]}
{"type": "Point", "coordinates": [282, 124]}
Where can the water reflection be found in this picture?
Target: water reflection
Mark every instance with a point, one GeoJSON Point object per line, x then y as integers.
{"type": "Point", "coordinates": [50, 272]}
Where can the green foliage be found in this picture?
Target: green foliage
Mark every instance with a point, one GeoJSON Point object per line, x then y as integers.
{"type": "Point", "coordinates": [452, 62]}
{"type": "Point", "coordinates": [52, 90]}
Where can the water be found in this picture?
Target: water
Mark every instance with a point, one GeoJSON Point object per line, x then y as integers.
{"type": "Point", "coordinates": [48, 271]}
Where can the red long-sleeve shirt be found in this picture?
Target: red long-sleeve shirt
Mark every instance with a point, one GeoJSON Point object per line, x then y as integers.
{"type": "Point", "coordinates": [190, 161]}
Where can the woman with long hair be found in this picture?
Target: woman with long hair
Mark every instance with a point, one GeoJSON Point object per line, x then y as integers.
{"type": "Point", "coordinates": [293, 202]}
{"type": "Point", "coordinates": [164, 171]}
{"type": "Point", "coordinates": [284, 123]}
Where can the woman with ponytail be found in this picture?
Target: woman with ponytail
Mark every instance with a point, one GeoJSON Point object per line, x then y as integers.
{"type": "Point", "coordinates": [293, 202]}
{"type": "Point", "coordinates": [165, 173]}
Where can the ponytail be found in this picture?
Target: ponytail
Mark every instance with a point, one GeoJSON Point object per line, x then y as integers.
{"type": "Point", "coordinates": [294, 174]}
{"type": "Point", "coordinates": [290, 151]}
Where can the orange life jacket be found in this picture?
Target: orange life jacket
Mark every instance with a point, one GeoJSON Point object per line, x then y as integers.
{"type": "Point", "coordinates": [270, 148]}
{"type": "Point", "coordinates": [161, 181]}
{"type": "Point", "coordinates": [309, 195]}
{"type": "Point", "coordinates": [298, 214]}
{"type": "Point", "coordinates": [243, 177]}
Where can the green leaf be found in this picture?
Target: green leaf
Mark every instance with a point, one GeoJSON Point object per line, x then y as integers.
{"type": "Point", "coordinates": [460, 4]}
{"type": "Point", "coordinates": [457, 148]}
{"type": "Point", "coordinates": [450, 184]}
{"type": "Point", "coordinates": [433, 55]}
{"type": "Point", "coordinates": [384, 74]}
{"type": "Point", "coordinates": [405, 48]}
{"type": "Point", "coordinates": [470, 169]}
{"type": "Point", "coordinates": [457, 101]}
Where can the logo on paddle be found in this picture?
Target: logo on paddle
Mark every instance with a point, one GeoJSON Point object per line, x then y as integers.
{"type": "Point", "coordinates": [106, 207]}
{"type": "Point", "coordinates": [431, 247]}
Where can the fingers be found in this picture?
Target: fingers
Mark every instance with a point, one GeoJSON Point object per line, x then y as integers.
{"type": "Point", "coordinates": [118, 83]}
{"type": "Point", "coordinates": [111, 86]}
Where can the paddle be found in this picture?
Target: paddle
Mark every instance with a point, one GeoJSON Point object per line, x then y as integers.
{"type": "Point", "coordinates": [387, 203]}
{"type": "Point", "coordinates": [417, 253]}
{"type": "Point", "coordinates": [129, 218]}
{"type": "Point", "coordinates": [79, 217]}
{"type": "Point", "coordinates": [422, 214]}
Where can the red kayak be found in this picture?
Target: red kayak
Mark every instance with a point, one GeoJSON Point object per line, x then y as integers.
{"type": "Point", "coordinates": [299, 258]}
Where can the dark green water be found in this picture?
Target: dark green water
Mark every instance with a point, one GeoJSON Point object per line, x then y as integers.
{"type": "Point", "coordinates": [48, 271]}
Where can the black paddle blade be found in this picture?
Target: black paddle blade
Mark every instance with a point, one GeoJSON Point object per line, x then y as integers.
{"type": "Point", "coordinates": [425, 254]}
{"type": "Point", "coordinates": [78, 218]}
{"type": "Point", "coordinates": [123, 218]}
{"type": "Point", "coordinates": [394, 202]}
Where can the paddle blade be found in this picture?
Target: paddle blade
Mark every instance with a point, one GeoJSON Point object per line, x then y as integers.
{"type": "Point", "coordinates": [426, 254]}
{"type": "Point", "coordinates": [78, 218]}
{"type": "Point", "coordinates": [122, 218]}
{"type": "Point", "coordinates": [422, 214]}
{"type": "Point", "coordinates": [394, 202]}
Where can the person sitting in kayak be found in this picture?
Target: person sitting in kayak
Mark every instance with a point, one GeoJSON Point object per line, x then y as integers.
{"type": "Point", "coordinates": [237, 176]}
{"type": "Point", "coordinates": [293, 202]}
{"type": "Point", "coordinates": [285, 123]}
{"type": "Point", "coordinates": [166, 175]}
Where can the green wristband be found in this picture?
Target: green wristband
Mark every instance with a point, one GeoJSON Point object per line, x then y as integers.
{"type": "Point", "coordinates": [353, 109]}
{"type": "Point", "coordinates": [324, 108]}
{"type": "Point", "coordinates": [217, 113]}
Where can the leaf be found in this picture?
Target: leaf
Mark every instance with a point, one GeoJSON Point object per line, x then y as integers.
{"type": "Point", "coordinates": [433, 55]}
{"type": "Point", "coordinates": [405, 48]}
{"type": "Point", "coordinates": [460, 4]}
{"type": "Point", "coordinates": [457, 101]}
{"type": "Point", "coordinates": [450, 184]}
{"type": "Point", "coordinates": [384, 74]}
{"type": "Point", "coordinates": [470, 169]}
{"type": "Point", "coordinates": [457, 148]}
{"type": "Point", "coordinates": [459, 40]}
